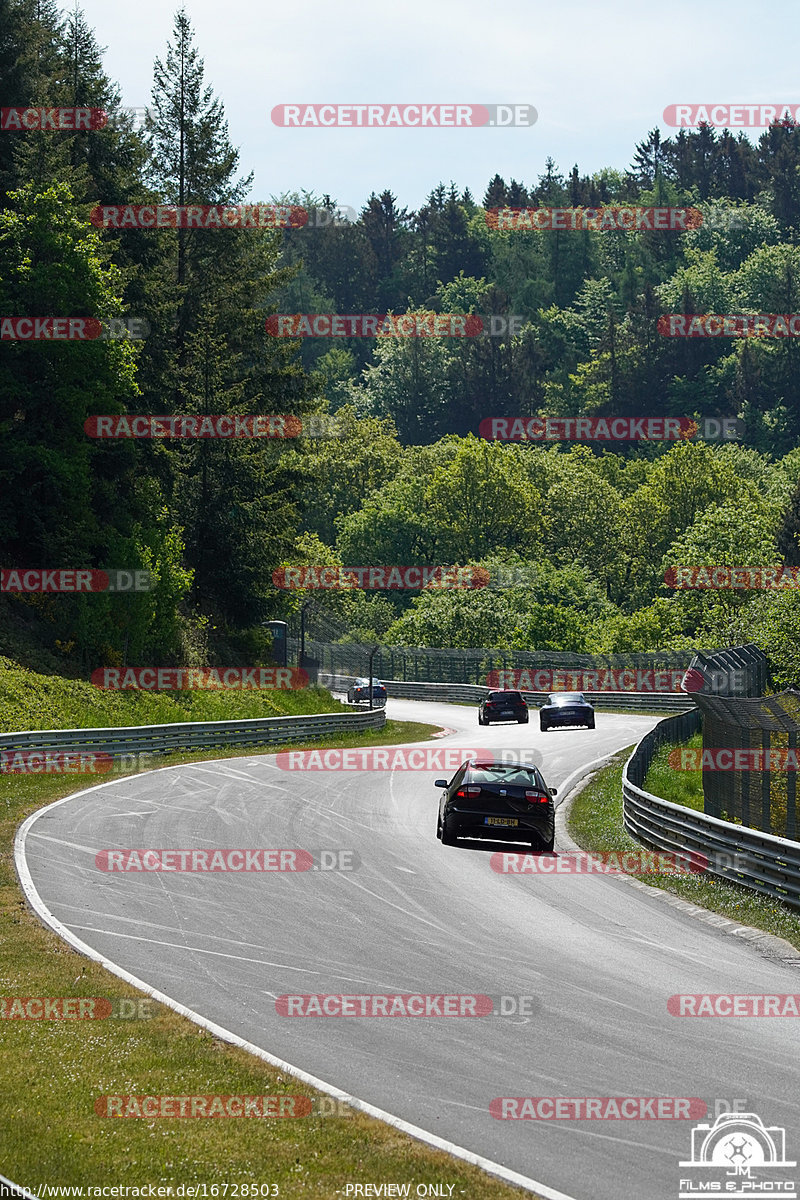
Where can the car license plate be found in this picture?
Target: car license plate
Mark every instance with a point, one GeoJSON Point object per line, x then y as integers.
{"type": "Point", "coordinates": [508, 712]}
{"type": "Point", "coordinates": [502, 821]}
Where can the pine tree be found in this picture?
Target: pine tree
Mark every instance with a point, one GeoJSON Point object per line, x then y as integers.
{"type": "Point", "coordinates": [193, 161]}
{"type": "Point", "coordinates": [495, 194]}
{"type": "Point", "coordinates": [651, 158]}
{"type": "Point", "coordinates": [39, 157]}
{"type": "Point", "coordinates": [385, 226]}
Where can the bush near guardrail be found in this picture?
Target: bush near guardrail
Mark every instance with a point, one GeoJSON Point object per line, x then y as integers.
{"type": "Point", "coordinates": [194, 735]}
{"type": "Point", "coordinates": [470, 693]}
{"type": "Point", "coordinates": [764, 863]}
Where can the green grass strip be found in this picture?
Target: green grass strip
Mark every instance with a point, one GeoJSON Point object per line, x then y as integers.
{"type": "Point", "coordinates": [595, 823]}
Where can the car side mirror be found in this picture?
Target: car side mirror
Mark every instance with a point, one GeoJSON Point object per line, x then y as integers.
{"type": "Point", "coordinates": [553, 791]}
{"type": "Point", "coordinates": [440, 783]}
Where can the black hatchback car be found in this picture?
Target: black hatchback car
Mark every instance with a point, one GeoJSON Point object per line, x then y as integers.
{"type": "Point", "coordinates": [503, 706]}
{"type": "Point", "coordinates": [509, 801]}
{"type": "Point", "coordinates": [566, 708]}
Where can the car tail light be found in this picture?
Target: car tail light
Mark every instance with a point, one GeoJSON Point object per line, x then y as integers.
{"type": "Point", "coordinates": [468, 791]}
{"type": "Point", "coordinates": [536, 797]}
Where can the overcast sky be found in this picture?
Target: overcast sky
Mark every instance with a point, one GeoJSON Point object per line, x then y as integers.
{"type": "Point", "coordinates": [599, 75]}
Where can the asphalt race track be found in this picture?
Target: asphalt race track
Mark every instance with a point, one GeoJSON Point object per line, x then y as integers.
{"type": "Point", "coordinates": [600, 957]}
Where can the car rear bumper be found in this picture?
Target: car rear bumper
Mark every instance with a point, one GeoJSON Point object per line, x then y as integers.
{"type": "Point", "coordinates": [566, 718]}
{"type": "Point", "coordinates": [471, 823]}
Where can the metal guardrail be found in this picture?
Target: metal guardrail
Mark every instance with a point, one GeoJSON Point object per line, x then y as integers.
{"type": "Point", "coordinates": [193, 735]}
{"type": "Point", "coordinates": [471, 693]}
{"type": "Point", "coordinates": [764, 863]}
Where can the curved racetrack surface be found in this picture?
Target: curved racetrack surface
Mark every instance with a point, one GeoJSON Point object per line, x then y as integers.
{"type": "Point", "coordinates": [600, 957]}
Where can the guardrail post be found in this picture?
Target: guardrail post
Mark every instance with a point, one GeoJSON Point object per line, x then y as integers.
{"type": "Point", "coordinates": [766, 808]}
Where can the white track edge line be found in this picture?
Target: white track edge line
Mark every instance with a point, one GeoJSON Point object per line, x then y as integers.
{"type": "Point", "coordinates": [20, 1191]}
{"type": "Point", "coordinates": [414, 1131]}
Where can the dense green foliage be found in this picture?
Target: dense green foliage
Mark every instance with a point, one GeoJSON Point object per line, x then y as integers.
{"type": "Point", "coordinates": [408, 481]}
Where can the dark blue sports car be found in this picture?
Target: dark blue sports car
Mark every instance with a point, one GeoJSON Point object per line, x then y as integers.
{"type": "Point", "coordinates": [566, 708]}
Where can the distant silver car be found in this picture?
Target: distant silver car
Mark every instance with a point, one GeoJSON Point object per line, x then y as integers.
{"type": "Point", "coordinates": [566, 708]}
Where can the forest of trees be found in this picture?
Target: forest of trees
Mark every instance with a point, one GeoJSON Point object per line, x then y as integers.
{"type": "Point", "coordinates": [407, 480]}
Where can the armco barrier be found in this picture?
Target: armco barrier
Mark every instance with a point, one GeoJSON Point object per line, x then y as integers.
{"type": "Point", "coordinates": [471, 693]}
{"type": "Point", "coordinates": [767, 864]}
{"type": "Point", "coordinates": [194, 735]}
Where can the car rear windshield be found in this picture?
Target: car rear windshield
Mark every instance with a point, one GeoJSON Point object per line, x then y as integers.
{"type": "Point", "coordinates": [566, 698]}
{"type": "Point", "coordinates": [509, 697]}
{"type": "Point", "coordinates": [514, 776]}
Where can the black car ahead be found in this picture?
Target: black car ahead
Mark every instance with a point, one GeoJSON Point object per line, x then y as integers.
{"type": "Point", "coordinates": [503, 706]}
{"type": "Point", "coordinates": [508, 800]}
{"type": "Point", "coordinates": [359, 690]}
{"type": "Point", "coordinates": [566, 708]}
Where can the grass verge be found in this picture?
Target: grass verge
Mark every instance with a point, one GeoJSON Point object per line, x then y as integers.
{"type": "Point", "coordinates": [29, 700]}
{"type": "Point", "coordinates": [679, 787]}
{"type": "Point", "coordinates": [595, 823]}
{"type": "Point", "coordinates": [51, 1072]}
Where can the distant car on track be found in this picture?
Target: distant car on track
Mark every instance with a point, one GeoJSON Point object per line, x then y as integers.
{"type": "Point", "coordinates": [503, 706]}
{"type": "Point", "coordinates": [509, 801]}
{"type": "Point", "coordinates": [566, 708]}
{"type": "Point", "coordinates": [359, 690]}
